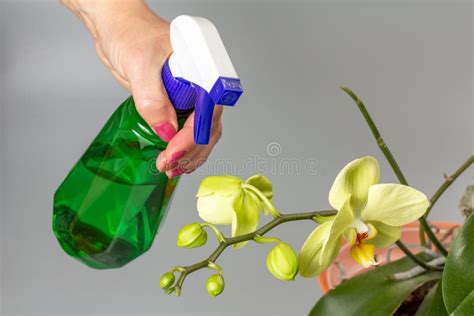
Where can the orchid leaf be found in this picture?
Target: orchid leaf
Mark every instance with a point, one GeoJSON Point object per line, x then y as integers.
{"type": "Point", "coordinates": [466, 307]}
{"type": "Point", "coordinates": [458, 277]}
{"type": "Point", "coordinates": [373, 293]}
{"type": "Point", "coordinates": [425, 306]}
{"type": "Point", "coordinates": [437, 307]}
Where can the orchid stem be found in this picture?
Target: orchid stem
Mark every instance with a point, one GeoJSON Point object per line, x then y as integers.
{"type": "Point", "coordinates": [215, 230]}
{"type": "Point", "coordinates": [210, 261]}
{"type": "Point", "coordinates": [378, 138]}
{"type": "Point", "coordinates": [393, 163]}
{"type": "Point", "coordinates": [410, 255]}
{"type": "Point", "coordinates": [446, 184]}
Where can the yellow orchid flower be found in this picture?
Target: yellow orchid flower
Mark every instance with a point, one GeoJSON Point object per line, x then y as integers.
{"type": "Point", "coordinates": [370, 215]}
{"type": "Point", "coordinates": [227, 200]}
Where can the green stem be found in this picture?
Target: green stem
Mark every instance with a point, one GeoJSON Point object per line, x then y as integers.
{"type": "Point", "coordinates": [449, 180]}
{"type": "Point", "coordinates": [258, 236]}
{"type": "Point", "coordinates": [446, 184]}
{"type": "Point", "coordinates": [283, 218]}
{"type": "Point", "coordinates": [421, 263]}
{"type": "Point", "coordinates": [216, 231]}
{"type": "Point", "coordinates": [393, 163]}
{"type": "Point", "coordinates": [425, 226]}
{"type": "Point", "coordinates": [212, 265]}
{"type": "Point", "coordinates": [378, 138]}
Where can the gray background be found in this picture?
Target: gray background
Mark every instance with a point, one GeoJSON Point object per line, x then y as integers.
{"type": "Point", "coordinates": [410, 61]}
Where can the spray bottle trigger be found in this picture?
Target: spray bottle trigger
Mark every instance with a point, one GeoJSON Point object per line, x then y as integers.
{"type": "Point", "coordinates": [203, 114]}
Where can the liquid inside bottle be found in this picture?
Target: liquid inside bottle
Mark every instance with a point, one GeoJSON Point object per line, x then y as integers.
{"type": "Point", "coordinates": [110, 206]}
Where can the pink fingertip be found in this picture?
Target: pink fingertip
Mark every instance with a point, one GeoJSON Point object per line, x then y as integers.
{"type": "Point", "coordinates": [165, 131]}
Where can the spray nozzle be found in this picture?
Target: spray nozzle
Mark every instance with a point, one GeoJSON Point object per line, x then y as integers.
{"type": "Point", "coordinates": [199, 73]}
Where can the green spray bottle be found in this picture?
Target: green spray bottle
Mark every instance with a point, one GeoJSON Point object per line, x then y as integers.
{"type": "Point", "coordinates": [110, 206]}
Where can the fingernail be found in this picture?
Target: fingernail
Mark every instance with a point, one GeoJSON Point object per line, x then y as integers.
{"type": "Point", "coordinates": [165, 131]}
{"type": "Point", "coordinates": [176, 156]}
{"type": "Point", "coordinates": [174, 173]}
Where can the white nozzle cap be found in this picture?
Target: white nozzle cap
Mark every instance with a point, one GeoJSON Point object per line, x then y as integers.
{"type": "Point", "coordinates": [199, 54]}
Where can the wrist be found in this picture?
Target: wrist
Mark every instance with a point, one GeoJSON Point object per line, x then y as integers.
{"type": "Point", "coordinates": [101, 15]}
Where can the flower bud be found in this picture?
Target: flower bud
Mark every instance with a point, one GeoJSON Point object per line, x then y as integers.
{"type": "Point", "coordinates": [192, 236]}
{"type": "Point", "coordinates": [167, 280]}
{"type": "Point", "coordinates": [282, 262]}
{"type": "Point", "coordinates": [215, 285]}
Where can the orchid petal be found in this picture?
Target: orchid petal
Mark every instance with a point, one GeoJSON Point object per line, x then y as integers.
{"type": "Point", "coordinates": [371, 233]}
{"type": "Point", "coordinates": [354, 179]}
{"type": "Point", "coordinates": [342, 221]}
{"type": "Point", "coordinates": [261, 183]}
{"type": "Point", "coordinates": [222, 185]}
{"type": "Point", "coordinates": [364, 254]}
{"type": "Point", "coordinates": [350, 235]}
{"type": "Point", "coordinates": [308, 259]}
{"type": "Point", "coordinates": [245, 219]}
{"type": "Point", "coordinates": [386, 235]}
{"type": "Point", "coordinates": [216, 209]}
{"type": "Point", "coordinates": [394, 204]}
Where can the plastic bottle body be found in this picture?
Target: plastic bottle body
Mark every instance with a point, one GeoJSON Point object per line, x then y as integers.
{"type": "Point", "coordinates": [109, 208]}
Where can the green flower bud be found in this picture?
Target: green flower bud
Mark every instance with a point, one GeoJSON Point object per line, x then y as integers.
{"type": "Point", "coordinates": [192, 236]}
{"type": "Point", "coordinates": [282, 262]}
{"type": "Point", "coordinates": [215, 285]}
{"type": "Point", "coordinates": [167, 280]}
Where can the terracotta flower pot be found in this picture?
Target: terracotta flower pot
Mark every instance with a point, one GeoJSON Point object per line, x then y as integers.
{"type": "Point", "coordinates": [345, 267]}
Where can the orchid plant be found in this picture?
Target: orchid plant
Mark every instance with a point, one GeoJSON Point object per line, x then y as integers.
{"type": "Point", "coordinates": [366, 215]}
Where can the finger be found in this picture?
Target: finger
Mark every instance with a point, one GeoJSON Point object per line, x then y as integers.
{"type": "Point", "coordinates": [195, 159]}
{"type": "Point", "coordinates": [152, 103]}
{"type": "Point", "coordinates": [183, 146]}
{"type": "Point", "coordinates": [180, 146]}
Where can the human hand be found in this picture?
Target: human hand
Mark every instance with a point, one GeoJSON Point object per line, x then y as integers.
{"type": "Point", "coordinates": [134, 44]}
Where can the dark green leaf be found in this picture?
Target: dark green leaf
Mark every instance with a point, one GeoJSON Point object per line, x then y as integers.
{"type": "Point", "coordinates": [426, 304]}
{"type": "Point", "coordinates": [466, 308]}
{"type": "Point", "coordinates": [458, 276]}
{"type": "Point", "coordinates": [436, 307]}
{"type": "Point", "coordinates": [372, 293]}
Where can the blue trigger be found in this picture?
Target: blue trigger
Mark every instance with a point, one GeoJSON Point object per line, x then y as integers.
{"type": "Point", "coordinates": [185, 95]}
{"type": "Point", "coordinates": [203, 112]}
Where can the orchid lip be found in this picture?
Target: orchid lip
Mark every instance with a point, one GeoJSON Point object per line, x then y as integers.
{"type": "Point", "coordinates": [359, 225]}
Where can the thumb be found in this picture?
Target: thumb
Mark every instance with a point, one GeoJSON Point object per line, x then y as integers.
{"type": "Point", "coordinates": [153, 104]}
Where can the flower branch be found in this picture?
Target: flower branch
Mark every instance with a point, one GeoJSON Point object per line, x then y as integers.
{"type": "Point", "coordinates": [446, 184]}
{"type": "Point", "coordinates": [226, 242]}
{"type": "Point", "coordinates": [393, 163]}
